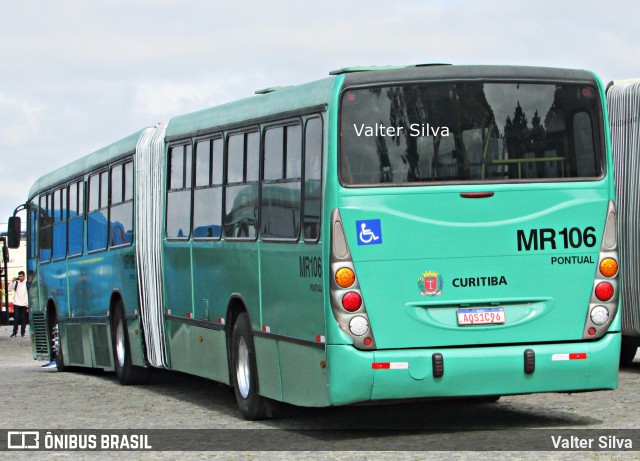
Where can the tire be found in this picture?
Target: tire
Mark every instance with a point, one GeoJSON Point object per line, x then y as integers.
{"type": "Point", "coordinates": [56, 344]}
{"type": "Point", "coordinates": [244, 372]}
{"type": "Point", "coordinates": [627, 353]}
{"type": "Point", "coordinates": [125, 371]}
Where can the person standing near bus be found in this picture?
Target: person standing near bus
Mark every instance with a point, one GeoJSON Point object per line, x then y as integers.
{"type": "Point", "coordinates": [20, 303]}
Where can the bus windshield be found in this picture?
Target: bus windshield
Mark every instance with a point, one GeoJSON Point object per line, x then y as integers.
{"type": "Point", "coordinates": [469, 131]}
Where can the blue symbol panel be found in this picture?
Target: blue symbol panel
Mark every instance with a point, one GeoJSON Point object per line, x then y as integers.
{"type": "Point", "coordinates": [369, 232]}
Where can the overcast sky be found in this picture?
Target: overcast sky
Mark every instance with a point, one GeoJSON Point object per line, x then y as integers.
{"type": "Point", "coordinates": [78, 75]}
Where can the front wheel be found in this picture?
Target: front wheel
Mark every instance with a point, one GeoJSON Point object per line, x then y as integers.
{"type": "Point", "coordinates": [125, 371]}
{"type": "Point", "coordinates": [244, 371]}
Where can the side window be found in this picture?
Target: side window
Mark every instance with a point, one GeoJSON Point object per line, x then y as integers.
{"type": "Point", "coordinates": [207, 195]}
{"type": "Point", "coordinates": [97, 219]}
{"type": "Point", "coordinates": [45, 228]}
{"type": "Point", "coordinates": [121, 213]}
{"type": "Point", "coordinates": [76, 218]}
{"type": "Point", "coordinates": [241, 190]}
{"type": "Point", "coordinates": [60, 224]}
{"type": "Point", "coordinates": [583, 143]}
{"type": "Point", "coordinates": [32, 243]}
{"type": "Point", "coordinates": [280, 206]}
{"type": "Point", "coordinates": [312, 179]}
{"type": "Point", "coordinates": [178, 225]}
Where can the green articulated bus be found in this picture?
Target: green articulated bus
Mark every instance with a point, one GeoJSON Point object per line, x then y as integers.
{"type": "Point", "coordinates": [381, 234]}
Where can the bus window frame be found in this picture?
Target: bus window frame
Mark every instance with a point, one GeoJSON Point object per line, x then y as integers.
{"type": "Point", "coordinates": [245, 131]}
{"type": "Point", "coordinates": [122, 164]}
{"type": "Point", "coordinates": [98, 172]}
{"type": "Point", "coordinates": [303, 194]}
{"type": "Point", "coordinates": [599, 137]}
{"type": "Point", "coordinates": [210, 139]}
{"type": "Point", "coordinates": [188, 148]}
{"type": "Point", "coordinates": [283, 179]}
{"type": "Point", "coordinates": [80, 184]}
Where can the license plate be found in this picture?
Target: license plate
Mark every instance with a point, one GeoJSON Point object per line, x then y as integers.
{"type": "Point", "coordinates": [481, 316]}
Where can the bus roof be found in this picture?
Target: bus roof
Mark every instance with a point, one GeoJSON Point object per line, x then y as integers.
{"type": "Point", "coordinates": [463, 72]}
{"type": "Point", "coordinates": [287, 99]}
{"type": "Point", "coordinates": [102, 156]}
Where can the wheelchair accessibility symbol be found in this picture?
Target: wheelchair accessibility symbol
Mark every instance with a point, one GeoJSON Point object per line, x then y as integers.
{"type": "Point", "coordinates": [369, 232]}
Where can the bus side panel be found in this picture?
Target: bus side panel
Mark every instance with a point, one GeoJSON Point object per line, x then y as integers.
{"type": "Point", "coordinates": [304, 378]}
{"type": "Point", "coordinates": [209, 299]}
{"type": "Point", "coordinates": [198, 351]}
{"type": "Point", "coordinates": [76, 343]}
{"type": "Point", "coordinates": [291, 285]}
{"type": "Point", "coordinates": [240, 278]}
{"type": "Point", "coordinates": [135, 341]}
{"type": "Point", "coordinates": [177, 280]}
{"type": "Point", "coordinates": [268, 367]}
{"type": "Point", "coordinates": [53, 285]}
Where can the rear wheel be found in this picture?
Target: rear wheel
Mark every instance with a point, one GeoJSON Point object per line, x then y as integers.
{"type": "Point", "coordinates": [125, 371]}
{"type": "Point", "coordinates": [244, 371]}
{"type": "Point", "coordinates": [56, 344]}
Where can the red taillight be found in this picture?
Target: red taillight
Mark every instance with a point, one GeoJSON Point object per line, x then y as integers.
{"type": "Point", "coordinates": [604, 291]}
{"type": "Point", "coordinates": [351, 301]}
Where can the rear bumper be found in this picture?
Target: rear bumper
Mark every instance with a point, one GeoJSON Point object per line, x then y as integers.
{"type": "Point", "coordinates": [471, 371]}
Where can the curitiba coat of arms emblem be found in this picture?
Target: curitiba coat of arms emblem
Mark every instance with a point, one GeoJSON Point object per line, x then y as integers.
{"type": "Point", "coordinates": [430, 284]}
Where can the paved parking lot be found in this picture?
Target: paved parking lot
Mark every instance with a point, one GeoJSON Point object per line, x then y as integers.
{"type": "Point", "coordinates": [45, 399]}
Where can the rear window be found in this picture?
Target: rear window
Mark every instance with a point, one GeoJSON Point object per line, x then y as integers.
{"type": "Point", "coordinates": [469, 131]}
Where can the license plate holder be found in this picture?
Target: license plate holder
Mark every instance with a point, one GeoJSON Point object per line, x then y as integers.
{"type": "Point", "coordinates": [481, 316]}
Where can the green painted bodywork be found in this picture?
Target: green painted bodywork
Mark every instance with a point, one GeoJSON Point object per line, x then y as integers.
{"type": "Point", "coordinates": [302, 355]}
{"type": "Point", "coordinates": [470, 371]}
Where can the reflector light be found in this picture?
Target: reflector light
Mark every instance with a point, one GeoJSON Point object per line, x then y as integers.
{"type": "Point", "coordinates": [599, 315]}
{"type": "Point", "coordinates": [351, 301]}
{"type": "Point", "coordinates": [367, 341]}
{"type": "Point", "coordinates": [609, 267]}
{"type": "Point", "coordinates": [345, 277]}
{"type": "Point", "coordinates": [604, 291]}
{"type": "Point", "coordinates": [572, 356]}
{"type": "Point", "coordinates": [592, 331]}
{"type": "Point", "coordinates": [358, 325]}
{"type": "Point", "coordinates": [390, 365]}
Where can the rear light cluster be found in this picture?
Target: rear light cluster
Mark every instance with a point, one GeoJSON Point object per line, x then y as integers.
{"type": "Point", "coordinates": [603, 304]}
{"type": "Point", "coordinates": [346, 297]}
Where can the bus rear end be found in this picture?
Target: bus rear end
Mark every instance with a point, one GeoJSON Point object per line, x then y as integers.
{"type": "Point", "coordinates": [473, 238]}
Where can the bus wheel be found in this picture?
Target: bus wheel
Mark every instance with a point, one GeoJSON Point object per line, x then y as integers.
{"type": "Point", "coordinates": [244, 371]}
{"type": "Point", "coordinates": [627, 353]}
{"type": "Point", "coordinates": [125, 371]}
{"type": "Point", "coordinates": [56, 346]}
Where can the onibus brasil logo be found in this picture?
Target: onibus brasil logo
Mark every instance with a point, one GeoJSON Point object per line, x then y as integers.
{"type": "Point", "coordinates": [430, 283]}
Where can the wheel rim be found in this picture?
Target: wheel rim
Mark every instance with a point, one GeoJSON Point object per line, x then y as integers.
{"type": "Point", "coordinates": [243, 374]}
{"type": "Point", "coordinates": [120, 344]}
{"type": "Point", "coordinates": [55, 340]}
